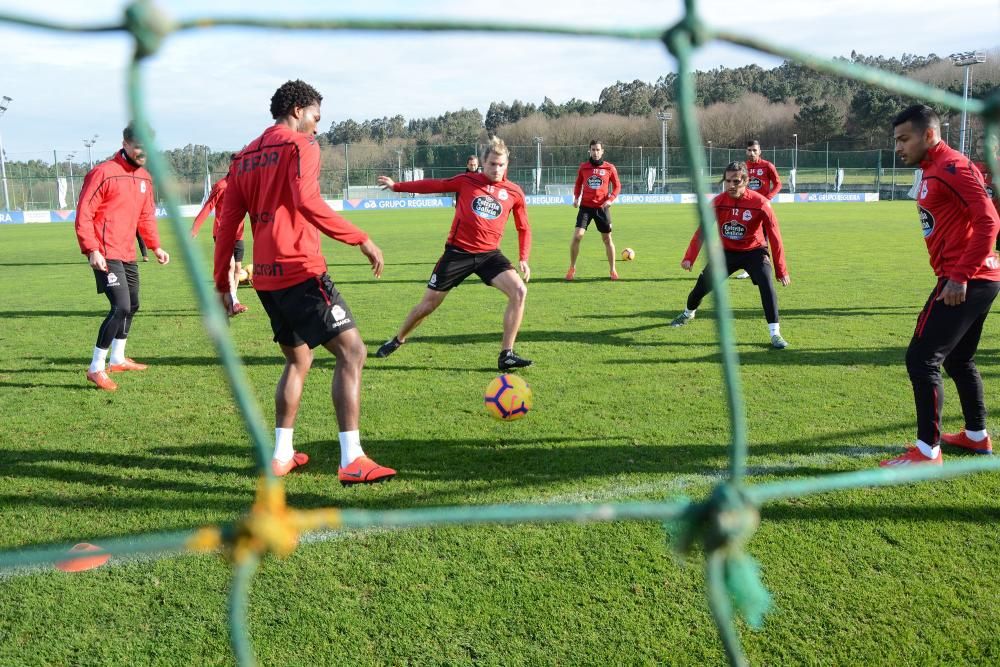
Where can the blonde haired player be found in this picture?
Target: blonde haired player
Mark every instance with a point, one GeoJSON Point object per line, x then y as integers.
{"type": "Point", "coordinates": [485, 201]}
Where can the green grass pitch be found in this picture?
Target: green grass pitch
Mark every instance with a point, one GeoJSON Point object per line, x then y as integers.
{"type": "Point", "coordinates": [625, 408]}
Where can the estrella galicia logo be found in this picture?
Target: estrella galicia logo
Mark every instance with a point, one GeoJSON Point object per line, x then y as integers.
{"type": "Point", "coordinates": [594, 182]}
{"type": "Point", "coordinates": [733, 230]}
{"type": "Point", "coordinates": [754, 184]}
{"type": "Point", "coordinates": [486, 207]}
{"type": "Point", "coordinates": [926, 221]}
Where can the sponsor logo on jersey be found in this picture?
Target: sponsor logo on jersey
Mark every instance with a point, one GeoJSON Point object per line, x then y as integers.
{"type": "Point", "coordinates": [502, 194]}
{"type": "Point", "coordinates": [733, 230]}
{"type": "Point", "coordinates": [747, 215]}
{"type": "Point", "coordinates": [486, 207]}
{"type": "Point", "coordinates": [754, 184]}
{"type": "Point", "coordinates": [926, 221]}
{"type": "Point", "coordinates": [594, 182]}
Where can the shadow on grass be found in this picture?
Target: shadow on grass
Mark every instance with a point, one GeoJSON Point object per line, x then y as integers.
{"type": "Point", "coordinates": [98, 313]}
{"type": "Point", "coordinates": [981, 513]}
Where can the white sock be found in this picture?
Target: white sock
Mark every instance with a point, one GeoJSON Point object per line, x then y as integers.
{"type": "Point", "coordinates": [350, 447]}
{"type": "Point", "coordinates": [927, 450]}
{"type": "Point", "coordinates": [236, 299]}
{"type": "Point", "coordinates": [689, 313]}
{"type": "Point", "coordinates": [98, 361]}
{"type": "Point", "coordinates": [976, 436]}
{"type": "Point", "coordinates": [775, 328]}
{"type": "Point", "coordinates": [118, 350]}
{"type": "Point", "coordinates": [283, 444]}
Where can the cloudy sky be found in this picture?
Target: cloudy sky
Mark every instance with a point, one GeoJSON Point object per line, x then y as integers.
{"type": "Point", "coordinates": [212, 86]}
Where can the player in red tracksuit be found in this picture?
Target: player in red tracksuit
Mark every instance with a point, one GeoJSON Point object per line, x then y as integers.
{"type": "Point", "coordinates": [275, 179]}
{"type": "Point", "coordinates": [747, 226]}
{"type": "Point", "coordinates": [214, 202]}
{"type": "Point", "coordinates": [597, 186]}
{"type": "Point", "coordinates": [117, 202]}
{"type": "Point", "coordinates": [763, 180]}
{"type": "Point", "coordinates": [991, 189]}
{"type": "Point", "coordinates": [960, 227]}
{"type": "Point", "coordinates": [485, 201]}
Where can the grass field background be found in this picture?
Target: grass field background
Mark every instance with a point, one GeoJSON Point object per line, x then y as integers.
{"type": "Point", "coordinates": [625, 408]}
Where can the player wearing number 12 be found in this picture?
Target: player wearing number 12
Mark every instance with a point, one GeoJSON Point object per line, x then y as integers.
{"type": "Point", "coordinates": [747, 225]}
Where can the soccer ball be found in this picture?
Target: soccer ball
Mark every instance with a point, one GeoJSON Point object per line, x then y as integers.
{"type": "Point", "coordinates": [628, 255]}
{"type": "Point", "coordinates": [508, 397]}
{"type": "Point", "coordinates": [246, 275]}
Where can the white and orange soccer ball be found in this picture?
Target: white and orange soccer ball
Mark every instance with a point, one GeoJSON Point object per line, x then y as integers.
{"type": "Point", "coordinates": [628, 255]}
{"type": "Point", "coordinates": [508, 397]}
{"type": "Point", "coordinates": [246, 275]}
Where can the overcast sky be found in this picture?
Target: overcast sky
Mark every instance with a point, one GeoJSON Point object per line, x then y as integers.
{"type": "Point", "coordinates": [212, 86]}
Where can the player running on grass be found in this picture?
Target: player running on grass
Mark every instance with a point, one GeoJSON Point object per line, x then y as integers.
{"type": "Point", "coordinates": [214, 202]}
{"type": "Point", "coordinates": [596, 188]}
{"type": "Point", "coordinates": [275, 180]}
{"type": "Point", "coordinates": [960, 228]}
{"type": "Point", "coordinates": [485, 201]}
{"type": "Point", "coordinates": [116, 203]}
{"type": "Point", "coordinates": [746, 224]}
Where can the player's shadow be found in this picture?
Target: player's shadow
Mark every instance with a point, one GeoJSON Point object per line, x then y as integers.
{"type": "Point", "coordinates": [623, 280]}
{"type": "Point", "coordinates": [984, 513]}
{"type": "Point", "coordinates": [43, 263]}
{"type": "Point", "coordinates": [753, 354]}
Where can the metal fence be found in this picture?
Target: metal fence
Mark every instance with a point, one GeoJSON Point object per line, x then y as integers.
{"type": "Point", "coordinates": [639, 168]}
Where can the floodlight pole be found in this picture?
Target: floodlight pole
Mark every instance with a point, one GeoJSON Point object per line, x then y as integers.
{"type": "Point", "coordinates": [664, 117]}
{"type": "Point", "coordinates": [947, 133]}
{"type": "Point", "coordinates": [538, 162]}
{"type": "Point", "coordinates": [89, 144]}
{"type": "Point", "coordinates": [72, 184]}
{"type": "Point", "coordinates": [966, 59]}
{"type": "Point", "coordinates": [795, 163]}
{"type": "Point", "coordinates": [710, 160]}
{"type": "Point", "coordinates": [399, 164]}
{"type": "Point", "coordinates": [4, 103]}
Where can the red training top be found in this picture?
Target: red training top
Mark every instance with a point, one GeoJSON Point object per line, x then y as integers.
{"type": "Point", "coordinates": [959, 222]}
{"type": "Point", "coordinates": [276, 180]}
{"type": "Point", "coordinates": [116, 199]}
{"type": "Point", "coordinates": [602, 185]}
{"type": "Point", "coordinates": [482, 210]}
{"type": "Point", "coordinates": [747, 223]}
{"type": "Point", "coordinates": [763, 178]}
{"type": "Point", "coordinates": [214, 201]}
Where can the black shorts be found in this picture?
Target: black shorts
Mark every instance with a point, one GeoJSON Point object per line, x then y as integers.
{"type": "Point", "coordinates": [238, 250]}
{"type": "Point", "coordinates": [456, 265]}
{"type": "Point", "coordinates": [756, 262]}
{"type": "Point", "coordinates": [601, 217]}
{"type": "Point", "coordinates": [120, 275]}
{"type": "Point", "coordinates": [312, 312]}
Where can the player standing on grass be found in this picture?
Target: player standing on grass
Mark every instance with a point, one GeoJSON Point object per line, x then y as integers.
{"type": "Point", "coordinates": [596, 188]}
{"type": "Point", "coordinates": [746, 224]}
{"type": "Point", "coordinates": [275, 179]}
{"type": "Point", "coordinates": [116, 203]}
{"type": "Point", "coordinates": [763, 180]}
{"type": "Point", "coordinates": [214, 202]}
{"type": "Point", "coordinates": [471, 167]}
{"type": "Point", "coordinates": [960, 228]}
{"type": "Point", "coordinates": [485, 201]}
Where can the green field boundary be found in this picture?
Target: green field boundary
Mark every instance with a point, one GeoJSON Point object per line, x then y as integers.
{"type": "Point", "coordinates": [723, 523]}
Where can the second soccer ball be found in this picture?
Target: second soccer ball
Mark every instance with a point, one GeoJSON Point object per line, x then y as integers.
{"type": "Point", "coordinates": [507, 397]}
{"type": "Point", "coordinates": [628, 255]}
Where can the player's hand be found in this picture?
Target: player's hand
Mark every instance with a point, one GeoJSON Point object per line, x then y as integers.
{"type": "Point", "coordinates": [525, 271]}
{"type": "Point", "coordinates": [193, 233]}
{"type": "Point", "coordinates": [953, 294]}
{"type": "Point", "coordinates": [785, 280]}
{"type": "Point", "coordinates": [97, 260]}
{"type": "Point", "coordinates": [385, 182]}
{"type": "Point", "coordinates": [162, 256]}
{"type": "Point", "coordinates": [686, 265]}
{"type": "Point", "coordinates": [576, 204]}
{"type": "Point", "coordinates": [374, 254]}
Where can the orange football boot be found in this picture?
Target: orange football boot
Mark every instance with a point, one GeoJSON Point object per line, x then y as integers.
{"type": "Point", "coordinates": [281, 469]}
{"type": "Point", "coordinates": [912, 456]}
{"type": "Point", "coordinates": [101, 379]}
{"type": "Point", "coordinates": [365, 471]}
{"type": "Point", "coordinates": [127, 365]}
{"type": "Point", "coordinates": [959, 439]}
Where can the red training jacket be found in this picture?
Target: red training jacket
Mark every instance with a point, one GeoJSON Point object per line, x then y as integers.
{"type": "Point", "coordinates": [602, 185]}
{"type": "Point", "coordinates": [745, 224]}
{"type": "Point", "coordinates": [763, 178]}
{"type": "Point", "coordinates": [482, 210]}
{"type": "Point", "coordinates": [959, 222]}
{"type": "Point", "coordinates": [116, 200]}
{"type": "Point", "coordinates": [276, 180]}
{"type": "Point", "coordinates": [215, 199]}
